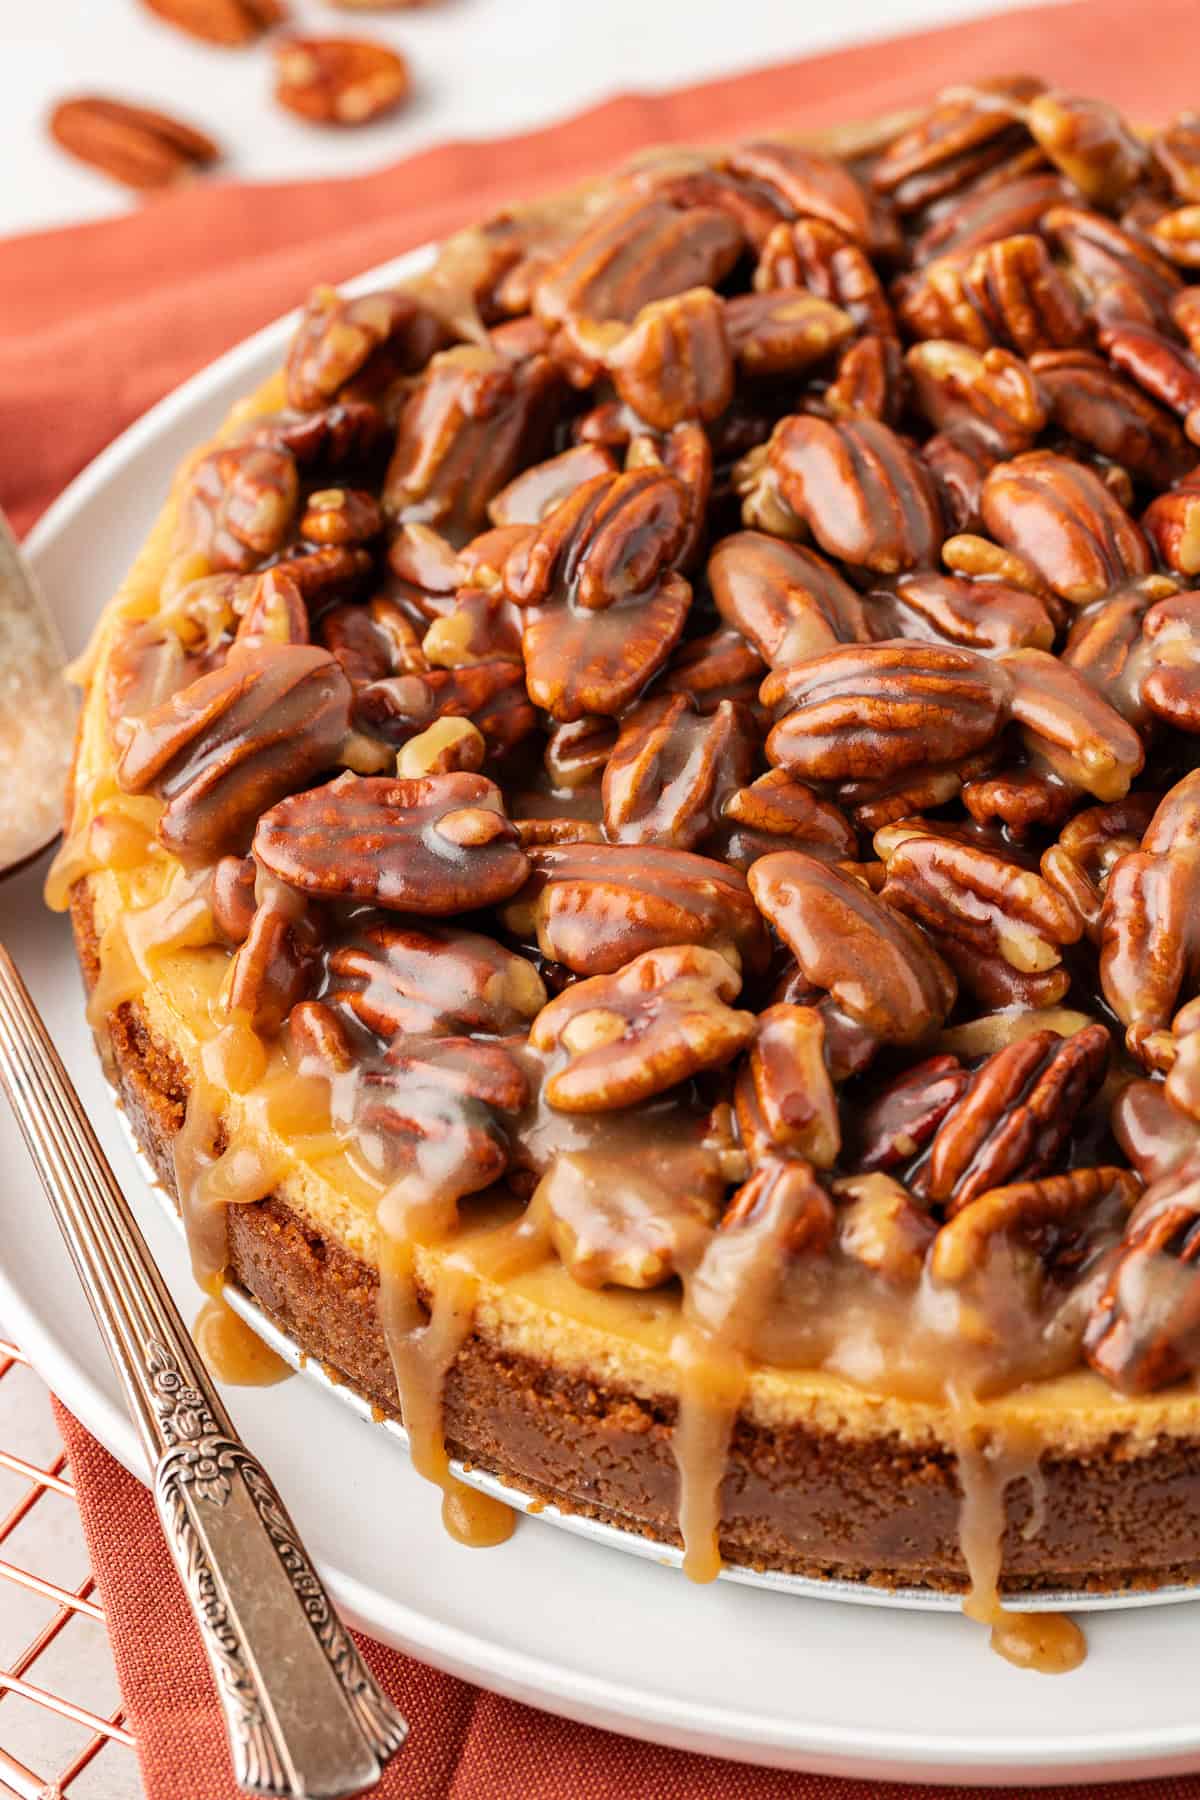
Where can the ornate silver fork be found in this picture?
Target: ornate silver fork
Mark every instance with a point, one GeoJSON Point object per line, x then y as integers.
{"type": "Point", "coordinates": [304, 1716]}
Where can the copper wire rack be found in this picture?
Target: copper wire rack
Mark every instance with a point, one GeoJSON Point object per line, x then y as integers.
{"type": "Point", "coordinates": [60, 1732]}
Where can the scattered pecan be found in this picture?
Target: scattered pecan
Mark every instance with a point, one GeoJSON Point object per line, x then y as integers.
{"type": "Point", "coordinates": [274, 613]}
{"type": "Point", "coordinates": [673, 768]}
{"type": "Point", "coordinates": [1015, 1117]}
{"type": "Point", "coordinates": [1127, 278]}
{"type": "Point", "coordinates": [1062, 519]}
{"type": "Point", "coordinates": [862, 711]}
{"type": "Point", "coordinates": [137, 147]}
{"type": "Point", "coordinates": [348, 435]}
{"type": "Point", "coordinates": [441, 845]}
{"type": "Point", "coordinates": [231, 897]}
{"type": "Point", "coordinates": [1001, 928]}
{"type": "Point", "coordinates": [222, 750]}
{"type": "Point", "coordinates": [596, 906]}
{"type": "Point", "coordinates": [865, 496]}
{"type": "Point", "coordinates": [870, 380]}
{"type": "Point", "coordinates": [240, 505]}
{"type": "Point", "coordinates": [623, 1037]}
{"type": "Point", "coordinates": [720, 666]}
{"type": "Point", "coordinates": [874, 963]}
{"type": "Point", "coordinates": [1171, 635]}
{"type": "Point", "coordinates": [1177, 235]}
{"type": "Point", "coordinates": [339, 81]}
{"type": "Point", "coordinates": [1176, 149]}
{"type": "Point", "coordinates": [1157, 1138]}
{"type": "Point", "coordinates": [784, 1098]}
{"type": "Point", "coordinates": [229, 23]}
{"type": "Point", "coordinates": [372, 641]}
{"type": "Point", "coordinates": [437, 980]}
{"type": "Point", "coordinates": [788, 601]}
{"type": "Point", "coordinates": [1160, 365]}
{"type": "Point", "coordinates": [675, 362]}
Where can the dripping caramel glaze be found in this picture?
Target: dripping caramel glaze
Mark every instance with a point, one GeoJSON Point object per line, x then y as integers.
{"type": "Point", "coordinates": [233, 1351]}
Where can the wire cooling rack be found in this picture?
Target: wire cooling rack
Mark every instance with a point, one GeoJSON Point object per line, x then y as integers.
{"type": "Point", "coordinates": [62, 1731]}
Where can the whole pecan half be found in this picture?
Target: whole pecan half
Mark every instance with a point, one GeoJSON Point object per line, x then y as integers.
{"type": "Point", "coordinates": [1176, 149]}
{"type": "Point", "coordinates": [1096, 405]}
{"type": "Point", "coordinates": [136, 146]}
{"type": "Point", "coordinates": [1015, 1117]}
{"type": "Point", "coordinates": [617, 1039]}
{"type": "Point", "coordinates": [894, 1128]}
{"type": "Point", "coordinates": [875, 964]}
{"type": "Point", "coordinates": [348, 435]}
{"type": "Point", "coordinates": [1090, 143]}
{"type": "Point", "coordinates": [1062, 519]}
{"type": "Point", "coordinates": [675, 362]}
{"type": "Point", "coordinates": [809, 184]}
{"type": "Point", "coordinates": [991, 213]}
{"type": "Point", "coordinates": [1054, 1218]}
{"type": "Point", "coordinates": [638, 250]}
{"type": "Point", "coordinates": [788, 601]}
{"type": "Point", "coordinates": [784, 331]}
{"type": "Point", "coordinates": [866, 711]}
{"type": "Point", "coordinates": [472, 419]}
{"type": "Point", "coordinates": [1001, 928]}
{"type": "Point", "coordinates": [1149, 946]}
{"type": "Point", "coordinates": [533, 494]}
{"type": "Point", "coordinates": [438, 845]}
{"type": "Point", "coordinates": [673, 768]}
{"type": "Point", "coordinates": [609, 608]}
{"type": "Point", "coordinates": [866, 497]}
{"type": "Point", "coordinates": [229, 745]}
{"type": "Point", "coordinates": [1157, 1138]}
{"type": "Point", "coordinates": [1008, 293]}
{"type": "Point", "coordinates": [785, 1099]}
{"type": "Point", "coordinates": [965, 133]}
{"type": "Point", "coordinates": [596, 906]}
{"type": "Point", "coordinates": [276, 967]}
{"type": "Point", "coordinates": [1172, 523]}
{"type": "Point", "coordinates": [364, 343]}
{"type": "Point", "coordinates": [1089, 847]}
{"type": "Point", "coordinates": [229, 23]}
{"type": "Point", "coordinates": [399, 979]}
{"type": "Point", "coordinates": [1144, 1327]}
{"type": "Point", "coordinates": [339, 81]}
{"type": "Point", "coordinates": [1127, 279]}
{"type": "Point", "coordinates": [945, 609]}
{"type": "Point", "coordinates": [240, 505]}
{"type": "Point", "coordinates": [777, 812]}
{"type": "Point", "coordinates": [1067, 725]}
{"type": "Point", "coordinates": [990, 396]}
{"type": "Point", "coordinates": [812, 254]}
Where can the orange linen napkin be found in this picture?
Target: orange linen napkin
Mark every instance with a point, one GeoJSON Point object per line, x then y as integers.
{"type": "Point", "coordinates": [96, 323]}
{"type": "Point", "coordinates": [464, 1744]}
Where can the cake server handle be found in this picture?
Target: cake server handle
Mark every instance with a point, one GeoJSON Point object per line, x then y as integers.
{"type": "Point", "coordinates": [304, 1716]}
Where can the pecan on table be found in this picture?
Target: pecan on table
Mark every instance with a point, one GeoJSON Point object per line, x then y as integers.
{"type": "Point", "coordinates": [138, 147]}
{"type": "Point", "coordinates": [229, 23]}
{"type": "Point", "coordinates": [339, 81]}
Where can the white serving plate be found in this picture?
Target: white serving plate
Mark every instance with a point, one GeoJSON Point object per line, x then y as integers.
{"type": "Point", "coordinates": [772, 1672]}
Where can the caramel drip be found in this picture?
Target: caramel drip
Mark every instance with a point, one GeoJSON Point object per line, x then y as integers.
{"type": "Point", "coordinates": [1046, 1642]}
{"type": "Point", "coordinates": [712, 1384]}
{"type": "Point", "coordinates": [134, 940]}
{"type": "Point", "coordinates": [232, 1351]}
{"type": "Point", "coordinates": [209, 1181]}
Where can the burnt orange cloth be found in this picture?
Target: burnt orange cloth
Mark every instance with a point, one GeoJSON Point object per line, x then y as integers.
{"type": "Point", "coordinates": [96, 323]}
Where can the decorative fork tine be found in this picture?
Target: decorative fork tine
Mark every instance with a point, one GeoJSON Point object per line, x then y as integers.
{"type": "Point", "coordinates": [304, 1716]}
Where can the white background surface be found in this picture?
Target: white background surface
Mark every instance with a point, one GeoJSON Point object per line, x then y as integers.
{"type": "Point", "coordinates": [480, 67]}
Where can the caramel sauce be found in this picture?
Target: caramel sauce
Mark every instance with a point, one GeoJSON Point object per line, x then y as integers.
{"type": "Point", "coordinates": [232, 1351]}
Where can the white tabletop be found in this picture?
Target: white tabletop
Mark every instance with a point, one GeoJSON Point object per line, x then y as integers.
{"type": "Point", "coordinates": [480, 68]}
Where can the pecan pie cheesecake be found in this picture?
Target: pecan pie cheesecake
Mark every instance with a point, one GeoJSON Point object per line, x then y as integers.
{"type": "Point", "coordinates": [635, 841]}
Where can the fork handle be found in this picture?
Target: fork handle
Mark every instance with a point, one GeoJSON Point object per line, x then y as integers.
{"type": "Point", "coordinates": [303, 1715]}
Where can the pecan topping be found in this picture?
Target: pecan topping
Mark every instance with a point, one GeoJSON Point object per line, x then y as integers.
{"type": "Point", "coordinates": [990, 396]}
{"type": "Point", "coordinates": [776, 812]}
{"type": "Point", "coordinates": [439, 845]}
{"type": "Point", "coordinates": [864, 495]}
{"type": "Point", "coordinates": [225, 748]}
{"type": "Point", "coordinates": [1090, 142]}
{"type": "Point", "coordinates": [676, 360]}
{"type": "Point", "coordinates": [873, 963]}
{"type": "Point", "coordinates": [963, 135]}
{"type": "Point", "coordinates": [879, 1225]}
{"type": "Point", "coordinates": [1148, 943]}
{"type": "Point", "coordinates": [819, 187]}
{"type": "Point", "coordinates": [1144, 1329]}
{"type": "Point", "coordinates": [365, 342]}
{"type": "Point", "coordinates": [788, 601]}
{"type": "Point", "coordinates": [654, 1023]}
{"type": "Point", "coordinates": [276, 965]}
{"type": "Point", "coordinates": [673, 768]}
{"type": "Point", "coordinates": [812, 254]}
{"type": "Point", "coordinates": [1094, 404]}
{"type": "Point", "coordinates": [1083, 739]}
{"type": "Point", "coordinates": [1063, 520]}
{"type": "Point", "coordinates": [1015, 1117]}
{"type": "Point", "coordinates": [979, 615]}
{"type": "Point", "coordinates": [533, 494]}
{"type": "Point", "coordinates": [1008, 293]}
{"type": "Point", "coordinates": [860, 712]}
{"type": "Point", "coordinates": [240, 505]}
{"type": "Point", "coordinates": [596, 906]}
{"type": "Point", "coordinates": [782, 1212]}
{"type": "Point", "coordinates": [784, 331]}
{"type": "Point", "coordinates": [1172, 523]}
{"type": "Point", "coordinates": [1052, 1217]}
{"type": "Point", "coordinates": [895, 1127]}
{"type": "Point", "coordinates": [1089, 847]}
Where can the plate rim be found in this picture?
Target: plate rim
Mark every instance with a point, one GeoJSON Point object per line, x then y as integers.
{"type": "Point", "coordinates": [860, 1750]}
